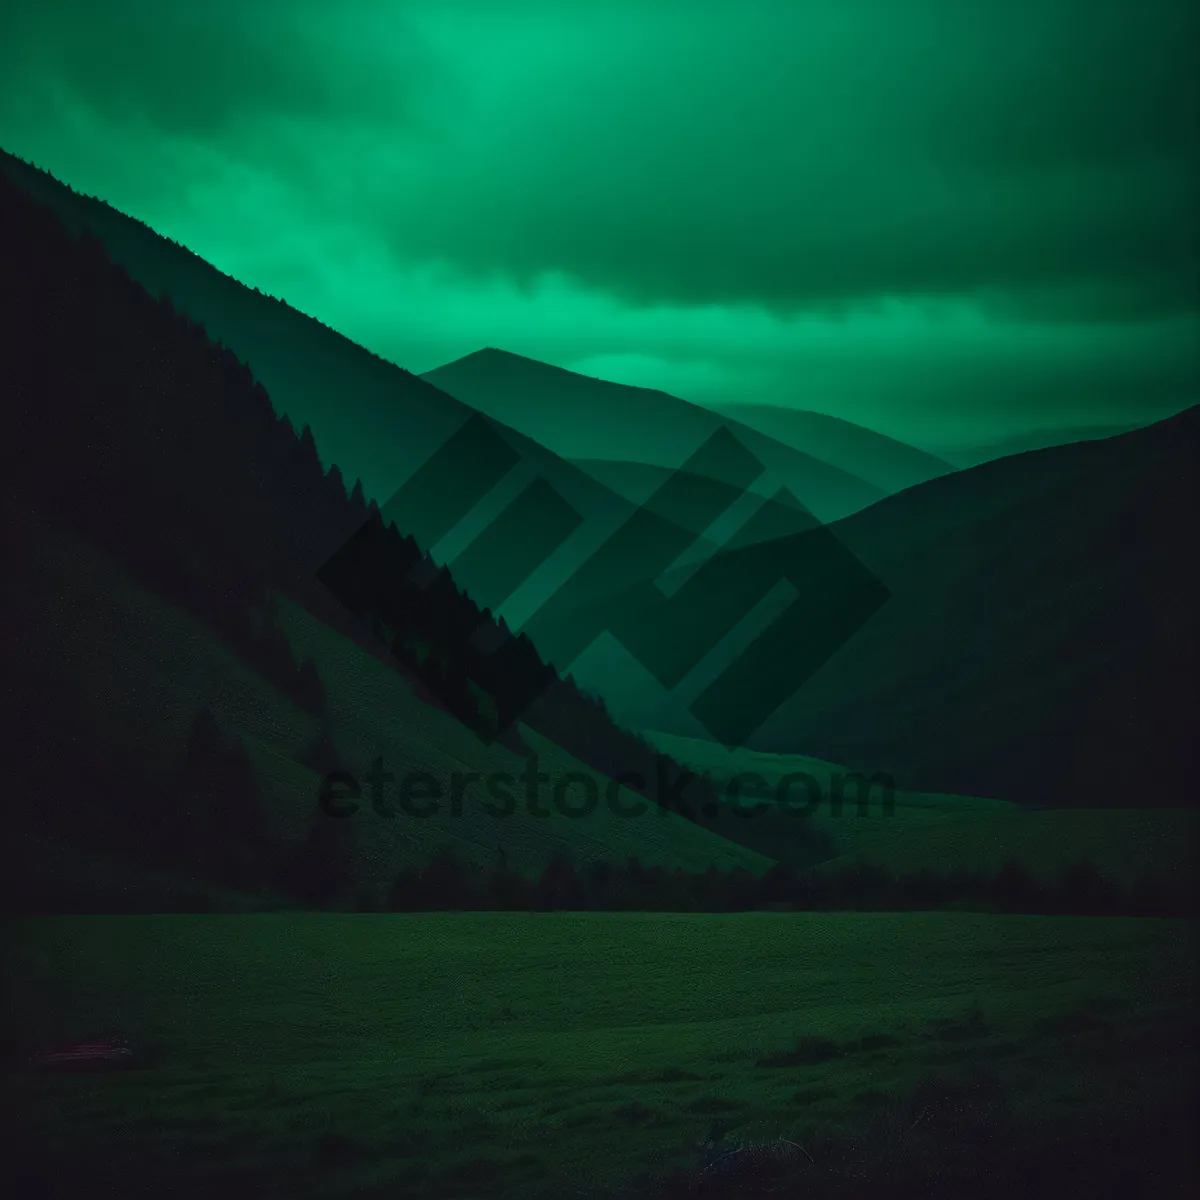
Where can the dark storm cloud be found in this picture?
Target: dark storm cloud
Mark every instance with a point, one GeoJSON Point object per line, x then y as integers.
{"type": "Point", "coordinates": [800, 154]}
{"type": "Point", "coordinates": [789, 154]}
{"type": "Point", "coordinates": [200, 69]}
{"type": "Point", "coordinates": [941, 217]}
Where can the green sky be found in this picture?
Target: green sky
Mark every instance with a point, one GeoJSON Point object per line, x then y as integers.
{"type": "Point", "coordinates": [950, 219]}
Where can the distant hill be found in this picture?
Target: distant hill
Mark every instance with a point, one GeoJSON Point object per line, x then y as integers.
{"type": "Point", "coordinates": [588, 419]}
{"type": "Point", "coordinates": [883, 461]}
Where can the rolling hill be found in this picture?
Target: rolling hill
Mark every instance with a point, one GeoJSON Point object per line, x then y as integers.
{"type": "Point", "coordinates": [589, 419]}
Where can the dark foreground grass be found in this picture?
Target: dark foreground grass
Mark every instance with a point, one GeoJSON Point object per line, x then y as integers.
{"type": "Point", "coordinates": [955, 1137]}
{"type": "Point", "coordinates": [602, 1054]}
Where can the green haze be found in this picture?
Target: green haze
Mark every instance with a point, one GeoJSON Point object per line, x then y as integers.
{"type": "Point", "coordinates": [953, 223]}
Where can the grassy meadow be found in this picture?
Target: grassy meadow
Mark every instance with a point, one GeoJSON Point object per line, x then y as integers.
{"type": "Point", "coordinates": [524, 1055]}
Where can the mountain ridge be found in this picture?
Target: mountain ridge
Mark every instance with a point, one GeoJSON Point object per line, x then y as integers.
{"type": "Point", "coordinates": [584, 417]}
{"type": "Point", "coordinates": [883, 461]}
{"type": "Point", "coordinates": [375, 420]}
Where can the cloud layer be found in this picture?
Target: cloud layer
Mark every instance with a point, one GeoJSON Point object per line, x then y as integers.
{"type": "Point", "coordinates": [951, 221]}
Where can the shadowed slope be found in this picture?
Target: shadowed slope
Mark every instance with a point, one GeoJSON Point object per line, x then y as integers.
{"type": "Point", "coordinates": [376, 421]}
{"type": "Point", "coordinates": [181, 682]}
{"type": "Point", "coordinates": [1037, 645]}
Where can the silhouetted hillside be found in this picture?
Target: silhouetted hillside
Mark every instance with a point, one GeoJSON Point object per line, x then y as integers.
{"type": "Point", "coordinates": [378, 422]}
{"type": "Point", "coordinates": [375, 420]}
{"type": "Point", "coordinates": [130, 429]}
{"type": "Point", "coordinates": [1039, 645]}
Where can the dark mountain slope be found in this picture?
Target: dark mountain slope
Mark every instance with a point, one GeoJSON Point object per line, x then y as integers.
{"type": "Point", "coordinates": [165, 522]}
{"type": "Point", "coordinates": [376, 421]}
{"type": "Point", "coordinates": [1040, 641]}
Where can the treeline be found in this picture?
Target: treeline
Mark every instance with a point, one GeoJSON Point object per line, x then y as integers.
{"type": "Point", "coordinates": [451, 882]}
{"type": "Point", "coordinates": [141, 432]}
{"type": "Point", "coordinates": [111, 215]}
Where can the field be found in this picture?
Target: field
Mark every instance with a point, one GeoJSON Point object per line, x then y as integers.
{"type": "Point", "coordinates": [557, 1054]}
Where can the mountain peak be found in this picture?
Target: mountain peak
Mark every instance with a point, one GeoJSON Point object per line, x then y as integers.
{"type": "Point", "coordinates": [494, 358]}
{"type": "Point", "coordinates": [586, 418]}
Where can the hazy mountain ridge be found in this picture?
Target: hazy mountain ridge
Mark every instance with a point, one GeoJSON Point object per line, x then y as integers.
{"type": "Point", "coordinates": [883, 461]}
{"type": "Point", "coordinates": [581, 417]}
